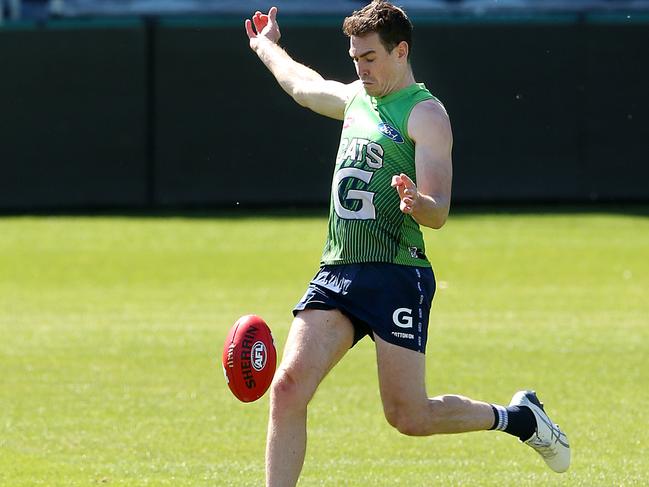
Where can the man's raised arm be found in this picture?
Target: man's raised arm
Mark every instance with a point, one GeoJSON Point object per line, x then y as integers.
{"type": "Point", "coordinates": [303, 84]}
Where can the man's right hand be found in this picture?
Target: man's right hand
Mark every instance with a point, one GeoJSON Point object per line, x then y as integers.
{"type": "Point", "coordinates": [266, 27]}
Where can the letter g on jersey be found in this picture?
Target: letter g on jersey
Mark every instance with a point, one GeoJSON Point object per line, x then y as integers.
{"type": "Point", "coordinates": [402, 317]}
{"type": "Point", "coordinates": [367, 210]}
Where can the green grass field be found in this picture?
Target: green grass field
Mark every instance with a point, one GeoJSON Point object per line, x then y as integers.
{"type": "Point", "coordinates": [111, 330]}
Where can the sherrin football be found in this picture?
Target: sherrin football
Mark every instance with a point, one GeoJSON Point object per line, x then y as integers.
{"type": "Point", "coordinates": [249, 358]}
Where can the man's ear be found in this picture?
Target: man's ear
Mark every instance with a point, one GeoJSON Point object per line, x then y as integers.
{"type": "Point", "coordinates": [403, 49]}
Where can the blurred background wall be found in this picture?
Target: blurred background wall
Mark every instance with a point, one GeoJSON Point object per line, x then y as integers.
{"type": "Point", "coordinates": [161, 104]}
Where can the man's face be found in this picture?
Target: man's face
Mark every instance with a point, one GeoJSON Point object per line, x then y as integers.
{"type": "Point", "coordinates": [376, 68]}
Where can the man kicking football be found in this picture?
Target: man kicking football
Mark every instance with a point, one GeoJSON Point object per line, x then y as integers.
{"type": "Point", "coordinates": [392, 173]}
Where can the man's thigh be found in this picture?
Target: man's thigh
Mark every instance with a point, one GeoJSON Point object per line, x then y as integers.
{"type": "Point", "coordinates": [402, 380]}
{"type": "Point", "coordinates": [317, 340]}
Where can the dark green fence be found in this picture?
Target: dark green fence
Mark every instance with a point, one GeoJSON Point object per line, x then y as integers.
{"type": "Point", "coordinates": [179, 112]}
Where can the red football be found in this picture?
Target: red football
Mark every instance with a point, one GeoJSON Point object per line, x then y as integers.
{"type": "Point", "coordinates": [249, 358]}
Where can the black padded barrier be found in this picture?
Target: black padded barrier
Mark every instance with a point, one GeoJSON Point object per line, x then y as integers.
{"type": "Point", "coordinates": [73, 115]}
{"type": "Point", "coordinates": [512, 93]}
{"type": "Point", "coordinates": [512, 90]}
{"type": "Point", "coordinates": [226, 132]}
{"type": "Point", "coordinates": [616, 116]}
{"type": "Point", "coordinates": [179, 112]}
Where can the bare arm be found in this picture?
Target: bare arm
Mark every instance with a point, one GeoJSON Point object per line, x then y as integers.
{"type": "Point", "coordinates": [304, 85]}
{"type": "Point", "coordinates": [429, 201]}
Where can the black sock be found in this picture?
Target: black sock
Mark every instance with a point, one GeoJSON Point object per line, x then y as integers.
{"type": "Point", "coordinates": [518, 421]}
{"type": "Point", "coordinates": [522, 422]}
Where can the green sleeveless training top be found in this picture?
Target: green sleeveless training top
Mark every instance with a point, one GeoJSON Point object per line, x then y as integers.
{"type": "Point", "coordinates": [365, 222]}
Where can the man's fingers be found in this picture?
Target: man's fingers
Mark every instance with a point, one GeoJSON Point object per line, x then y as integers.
{"type": "Point", "coordinates": [249, 31]}
{"type": "Point", "coordinates": [397, 183]}
{"type": "Point", "coordinates": [403, 180]}
{"type": "Point", "coordinates": [409, 183]}
{"type": "Point", "coordinates": [407, 192]}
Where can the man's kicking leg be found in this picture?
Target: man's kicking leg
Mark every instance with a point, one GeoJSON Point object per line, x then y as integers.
{"type": "Point", "coordinates": [406, 404]}
{"type": "Point", "coordinates": [408, 408]}
{"type": "Point", "coordinates": [318, 339]}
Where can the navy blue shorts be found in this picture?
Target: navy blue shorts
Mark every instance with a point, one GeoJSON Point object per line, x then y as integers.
{"type": "Point", "coordinates": [390, 300]}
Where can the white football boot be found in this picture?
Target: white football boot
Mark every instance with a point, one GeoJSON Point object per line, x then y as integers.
{"type": "Point", "coordinates": [548, 440]}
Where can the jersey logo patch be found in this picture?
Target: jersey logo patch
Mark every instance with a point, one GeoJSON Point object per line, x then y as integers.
{"type": "Point", "coordinates": [390, 132]}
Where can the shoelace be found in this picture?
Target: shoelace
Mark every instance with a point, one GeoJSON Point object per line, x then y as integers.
{"type": "Point", "coordinates": [546, 450]}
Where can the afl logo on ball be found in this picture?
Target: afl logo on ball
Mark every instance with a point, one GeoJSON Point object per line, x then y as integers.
{"type": "Point", "coordinates": [258, 356]}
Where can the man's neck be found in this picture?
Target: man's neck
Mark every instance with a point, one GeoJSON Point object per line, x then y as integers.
{"type": "Point", "coordinates": [407, 79]}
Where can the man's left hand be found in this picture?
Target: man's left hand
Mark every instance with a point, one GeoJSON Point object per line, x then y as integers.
{"type": "Point", "coordinates": [407, 192]}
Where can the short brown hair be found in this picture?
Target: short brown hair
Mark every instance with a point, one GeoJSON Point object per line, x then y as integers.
{"type": "Point", "coordinates": [390, 22]}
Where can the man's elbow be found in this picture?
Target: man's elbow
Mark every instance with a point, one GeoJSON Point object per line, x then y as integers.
{"type": "Point", "coordinates": [437, 218]}
{"type": "Point", "coordinates": [436, 225]}
{"type": "Point", "coordinates": [301, 100]}
{"type": "Point", "coordinates": [301, 97]}
{"type": "Point", "coordinates": [438, 222]}
{"type": "Point", "coordinates": [431, 221]}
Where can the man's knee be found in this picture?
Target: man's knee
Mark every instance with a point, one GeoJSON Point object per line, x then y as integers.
{"type": "Point", "coordinates": [287, 393]}
{"type": "Point", "coordinates": [421, 418]}
{"type": "Point", "coordinates": [407, 420]}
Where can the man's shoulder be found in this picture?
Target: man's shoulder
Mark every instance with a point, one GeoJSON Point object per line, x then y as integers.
{"type": "Point", "coordinates": [430, 108]}
{"type": "Point", "coordinates": [428, 115]}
